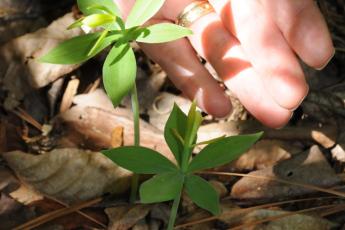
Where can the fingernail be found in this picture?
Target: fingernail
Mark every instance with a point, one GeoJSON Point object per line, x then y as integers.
{"type": "Point", "coordinates": [218, 106]}
{"type": "Point", "coordinates": [301, 101]}
{"type": "Point", "coordinates": [327, 62]}
{"type": "Point", "coordinates": [283, 126]}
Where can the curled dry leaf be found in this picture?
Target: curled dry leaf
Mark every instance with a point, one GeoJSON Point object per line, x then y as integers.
{"type": "Point", "coordinates": [69, 175]}
{"type": "Point", "coordinates": [309, 167]}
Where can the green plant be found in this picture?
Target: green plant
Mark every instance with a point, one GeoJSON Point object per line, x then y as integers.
{"type": "Point", "coordinates": [119, 69]}
{"type": "Point", "coordinates": [180, 134]}
{"type": "Point", "coordinates": [119, 72]}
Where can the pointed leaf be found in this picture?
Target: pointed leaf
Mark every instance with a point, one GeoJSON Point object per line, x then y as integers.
{"type": "Point", "coordinates": [162, 187]}
{"type": "Point", "coordinates": [75, 50]}
{"type": "Point", "coordinates": [98, 42]}
{"type": "Point", "coordinates": [101, 8]}
{"type": "Point", "coordinates": [140, 160]}
{"type": "Point", "coordinates": [95, 20]}
{"type": "Point", "coordinates": [202, 194]}
{"type": "Point", "coordinates": [177, 121]}
{"type": "Point", "coordinates": [163, 32]}
{"type": "Point", "coordinates": [119, 71]}
{"type": "Point", "coordinates": [194, 120]}
{"type": "Point", "coordinates": [222, 151]}
{"type": "Point", "coordinates": [76, 24]}
{"type": "Point", "coordinates": [142, 11]}
{"type": "Point", "coordinates": [88, 7]}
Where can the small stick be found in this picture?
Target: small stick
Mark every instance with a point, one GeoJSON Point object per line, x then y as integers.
{"type": "Point", "coordinates": [55, 214]}
{"type": "Point", "coordinates": [28, 118]}
{"type": "Point", "coordinates": [70, 92]}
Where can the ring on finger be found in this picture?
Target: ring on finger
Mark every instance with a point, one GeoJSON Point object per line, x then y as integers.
{"type": "Point", "coordinates": [193, 12]}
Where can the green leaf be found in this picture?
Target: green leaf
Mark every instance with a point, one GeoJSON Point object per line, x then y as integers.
{"type": "Point", "coordinates": [222, 151]}
{"type": "Point", "coordinates": [76, 24]}
{"type": "Point", "coordinates": [210, 141]}
{"type": "Point", "coordinates": [177, 121]}
{"type": "Point", "coordinates": [119, 71]}
{"type": "Point", "coordinates": [202, 194]}
{"type": "Point", "coordinates": [95, 6]}
{"type": "Point", "coordinates": [142, 11]}
{"type": "Point", "coordinates": [162, 187]}
{"type": "Point", "coordinates": [95, 20]}
{"type": "Point", "coordinates": [98, 42]}
{"type": "Point", "coordinates": [163, 32]}
{"type": "Point", "coordinates": [101, 8]}
{"type": "Point", "coordinates": [140, 160]}
{"type": "Point", "coordinates": [75, 50]}
{"type": "Point", "coordinates": [193, 123]}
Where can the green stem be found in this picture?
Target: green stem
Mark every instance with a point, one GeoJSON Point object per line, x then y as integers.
{"type": "Point", "coordinates": [136, 119]}
{"type": "Point", "coordinates": [185, 158]}
{"type": "Point", "coordinates": [174, 210]}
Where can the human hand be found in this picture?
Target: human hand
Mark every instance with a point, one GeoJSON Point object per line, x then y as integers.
{"type": "Point", "coordinates": [253, 45]}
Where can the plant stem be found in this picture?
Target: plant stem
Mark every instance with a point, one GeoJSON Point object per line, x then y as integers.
{"type": "Point", "coordinates": [185, 158]}
{"type": "Point", "coordinates": [174, 210]}
{"type": "Point", "coordinates": [136, 120]}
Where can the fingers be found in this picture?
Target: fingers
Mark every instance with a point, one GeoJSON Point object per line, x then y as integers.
{"type": "Point", "coordinates": [304, 28]}
{"type": "Point", "coordinates": [182, 65]}
{"type": "Point", "coordinates": [224, 52]}
{"type": "Point", "coordinates": [266, 48]}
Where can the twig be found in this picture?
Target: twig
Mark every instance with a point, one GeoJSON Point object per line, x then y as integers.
{"type": "Point", "coordinates": [55, 214]}
{"type": "Point", "coordinates": [28, 118]}
{"type": "Point", "coordinates": [246, 210]}
{"type": "Point", "coordinates": [81, 213]}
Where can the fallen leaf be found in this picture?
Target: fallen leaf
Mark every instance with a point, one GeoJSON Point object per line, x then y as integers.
{"type": "Point", "coordinates": [8, 182]}
{"type": "Point", "coordinates": [263, 154]}
{"type": "Point", "coordinates": [296, 221]}
{"type": "Point", "coordinates": [69, 175]}
{"type": "Point", "coordinates": [96, 99]}
{"type": "Point", "coordinates": [26, 195]}
{"type": "Point", "coordinates": [28, 48]}
{"type": "Point", "coordinates": [13, 213]}
{"type": "Point", "coordinates": [309, 167]}
{"type": "Point", "coordinates": [92, 128]}
{"type": "Point", "coordinates": [125, 217]}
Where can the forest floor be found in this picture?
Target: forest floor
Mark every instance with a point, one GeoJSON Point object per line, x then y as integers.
{"type": "Point", "coordinates": [54, 120]}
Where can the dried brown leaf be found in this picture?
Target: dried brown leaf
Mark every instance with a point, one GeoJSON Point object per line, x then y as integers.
{"type": "Point", "coordinates": [69, 175]}
{"type": "Point", "coordinates": [125, 217]}
{"type": "Point", "coordinates": [309, 167]}
{"type": "Point", "coordinates": [297, 221]}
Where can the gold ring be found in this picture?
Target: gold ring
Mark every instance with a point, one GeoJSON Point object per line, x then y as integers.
{"type": "Point", "coordinates": [193, 12]}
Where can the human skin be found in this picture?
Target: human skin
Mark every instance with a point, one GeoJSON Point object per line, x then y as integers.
{"type": "Point", "coordinates": [253, 45]}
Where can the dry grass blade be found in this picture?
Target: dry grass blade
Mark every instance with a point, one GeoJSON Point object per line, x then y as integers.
{"type": "Point", "coordinates": [28, 118]}
{"type": "Point", "coordinates": [244, 226]}
{"type": "Point", "coordinates": [308, 186]}
{"type": "Point", "coordinates": [92, 87]}
{"type": "Point", "coordinates": [246, 210]}
{"type": "Point", "coordinates": [340, 49]}
{"type": "Point", "coordinates": [56, 214]}
{"type": "Point", "coordinates": [333, 210]}
{"type": "Point", "coordinates": [80, 213]}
